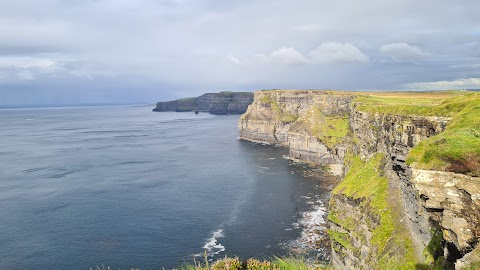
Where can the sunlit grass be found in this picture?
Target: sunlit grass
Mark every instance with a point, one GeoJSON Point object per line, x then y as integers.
{"type": "Point", "coordinates": [275, 263]}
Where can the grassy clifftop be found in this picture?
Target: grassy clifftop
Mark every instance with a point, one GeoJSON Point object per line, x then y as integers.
{"type": "Point", "coordinates": [368, 220]}
{"type": "Point", "coordinates": [456, 149]}
{"type": "Point", "coordinates": [389, 243]}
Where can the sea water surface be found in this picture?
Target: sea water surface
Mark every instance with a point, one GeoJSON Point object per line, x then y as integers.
{"type": "Point", "coordinates": [125, 187]}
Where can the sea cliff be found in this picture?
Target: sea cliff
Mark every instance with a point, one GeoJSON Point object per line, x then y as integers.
{"type": "Point", "coordinates": [409, 162]}
{"type": "Point", "coordinates": [215, 103]}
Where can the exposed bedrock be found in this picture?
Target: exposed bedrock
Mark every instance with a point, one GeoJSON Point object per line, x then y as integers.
{"type": "Point", "coordinates": [289, 118]}
{"type": "Point", "coordinates": [435, 214]}
{"type": "Point", "coordinates": [215, 103]}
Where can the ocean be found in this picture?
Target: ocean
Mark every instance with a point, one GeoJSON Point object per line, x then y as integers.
{"type": "Point", "coordinates": [124, 187]}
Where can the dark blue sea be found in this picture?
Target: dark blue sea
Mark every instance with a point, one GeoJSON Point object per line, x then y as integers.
{"type": "Point", "coordinates": [125, 187]}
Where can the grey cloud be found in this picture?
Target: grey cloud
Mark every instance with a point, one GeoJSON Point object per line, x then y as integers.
{"type": "Point", "coordinates": [463, 83]}
{"type": "Point", "coordinates": [334, 52]}
{"type": "Point", "coordinates": [185, 47]}
{"type": "Point", "coordinates": [288, 56]}
{"type": "Point", "coordinates": [402, 52]}
{"type": "Point", "coordinates": [326, 53]}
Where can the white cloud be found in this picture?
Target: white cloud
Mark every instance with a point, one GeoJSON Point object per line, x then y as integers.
{"type": "Point", "coordinates": [334, 52]}
{"type": "Point", "coordinates": [402, 52]}
{"type": "Point", "coordinates": [326, 53]}
{"type": "Point", "coordinates": [43, 64]}
{"type": "Point", "coordinates": [165, 41]}
{"type": "Point", "coordinates": [233, 59]}
{"type": "Point", "coordinates": [288, 56]}
{"type": "Point", "coordinates": [464, 83]}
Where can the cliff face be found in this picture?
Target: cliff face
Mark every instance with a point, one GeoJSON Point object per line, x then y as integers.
{"type": "Point", "coordinates": [297, 120]}
{"type": "Point", "coordinates": [384, 214]}
{"type": "Point", "coordinates": [215, 103]}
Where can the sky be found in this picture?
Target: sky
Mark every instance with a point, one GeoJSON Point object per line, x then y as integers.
{"type": "Point", "coordinates": [143, 51]}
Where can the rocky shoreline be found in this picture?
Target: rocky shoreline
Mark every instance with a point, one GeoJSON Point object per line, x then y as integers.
{"type": "Point", "coordinates": [386, 212]}
{"type": "Point", "coordinates": [313, 244]}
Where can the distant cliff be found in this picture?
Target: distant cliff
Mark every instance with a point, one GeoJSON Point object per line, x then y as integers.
{"type": "Point", "coordinates": [410, 162]}
{"type": "Point", "coordinates": [215, 103]}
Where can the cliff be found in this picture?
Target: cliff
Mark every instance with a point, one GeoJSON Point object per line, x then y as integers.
{"type": "Point", "coordinates": [215, 103]}
{"type": "Point", "coordinates": [410, 162]}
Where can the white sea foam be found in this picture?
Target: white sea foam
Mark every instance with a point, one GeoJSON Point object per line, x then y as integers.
{"type": "Point", "coordinates": [212, 246]}
{"type": "Point", "coordinates": [264, 170]}
{"type": "Point", "coordinates": [313, 225]}
{"type": "Point", "coordinates": [272, 158]}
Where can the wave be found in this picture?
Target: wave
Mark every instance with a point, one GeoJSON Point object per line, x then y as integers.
{"type": "Point", "coordinates": [313, 233]}
{"type": "Point", "coordinates": [265, 170]}
{"type": "Point", "coordinates": [212, 247]}
{"type": "Point", "coordinates": [271, 158]}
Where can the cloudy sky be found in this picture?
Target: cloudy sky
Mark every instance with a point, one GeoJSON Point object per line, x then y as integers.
{"type": "Point", "coordinates": [141, 51]}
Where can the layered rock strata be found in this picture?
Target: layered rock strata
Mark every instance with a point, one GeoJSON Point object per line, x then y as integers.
{"type": "Point", "coordinates": [384, 213]}
{"type": "Point", "coordinates": [289, 118]}
{"type": "Point", "coordinates": [215, 103]}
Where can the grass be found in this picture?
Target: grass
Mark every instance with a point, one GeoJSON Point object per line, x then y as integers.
{"type": "Point", "coordinates": [279, 114]}
{"type": "Point", "coordinates": [187, 99]}
{"type": "Point", "coordinates": [254, 264]}
{"type": "Point", "coordinates": [457, 149]}
{"type": "Point", "coordinates": [330, 130]}
{"type": "Point", "coordinates": [392, 243]}
{"type": "Point", "coordinates": [232, 94]}
{"type": "Point", "coordinates": [433, 253]}
{"type": "Point", "coordinates": [347, 223]}
{"type": "Point", "coordinates": [341, 238]}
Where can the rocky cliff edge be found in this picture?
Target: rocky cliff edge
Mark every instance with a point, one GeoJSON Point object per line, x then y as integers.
{"type": "Point", "coordinates": [215, 103]}
{"type": "Point", "coordinates": [410, 163]}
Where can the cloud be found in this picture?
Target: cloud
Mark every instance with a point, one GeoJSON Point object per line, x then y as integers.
{"type": "Point", "coordinates": [464, 83]}
{"type": "Point", "coordinates": [402, 52]}
{"type": "Point", "coordinates": [334, 52]}
{"type": "Point", "coordinates": [44, 64]}
{"type": "Point", "coordinates": [26, 69]}
{"type": "Point", "coordinates": [90, 44]}
{"type": "Point", "coordinates": [288, 56]}
{"type": "Point", "coordinates": [326, 53]}
{"type": "Point", "coordinates": [233, 59]}
{"type": "Point", "coordinates": [25, 75]}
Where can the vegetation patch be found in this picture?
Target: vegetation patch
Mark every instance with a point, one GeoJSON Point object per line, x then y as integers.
{"type": "Point", "coordinates": [364, 181]}
{"type": "Point", "coordinates": [232, 94]}
{"type": "Point", "coordinates": [330, 130]}
{"type": "Point", "coordinates": [254, 264]}
{"type": "Point", "coordinates": [341, 238]}
{"type": "Point", "coordinates": [279, 114]}
{"type": "Point", "coordinates": [347, 223]}
{"type": "Point", "coordinates": [406, 103]}
{"type": "Point", "coordinates": [457, 149]}
{"type": "Point", "coordinates": [433, 258]}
